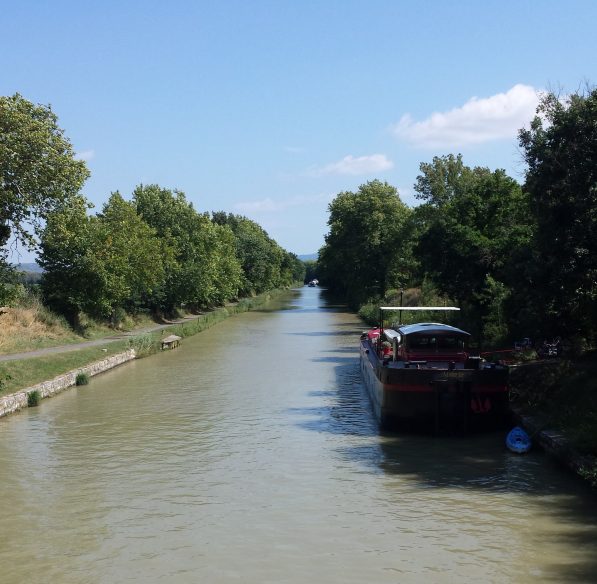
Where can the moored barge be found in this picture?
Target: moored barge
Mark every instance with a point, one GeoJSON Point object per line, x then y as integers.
{"type": "Point", "coordinates": [421, 377]}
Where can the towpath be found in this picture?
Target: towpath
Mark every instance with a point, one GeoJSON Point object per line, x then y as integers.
{"type": "Point", "coordinates": [94, 343]}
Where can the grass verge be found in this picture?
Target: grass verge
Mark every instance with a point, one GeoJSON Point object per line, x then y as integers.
{"type": "Point", "coordinates": [27, 372]}
{"type": "Point", "coordinates": [17, 375]}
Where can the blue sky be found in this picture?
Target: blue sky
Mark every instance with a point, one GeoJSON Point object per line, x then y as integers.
{"type": "Point", "coordinates": [269, 109]}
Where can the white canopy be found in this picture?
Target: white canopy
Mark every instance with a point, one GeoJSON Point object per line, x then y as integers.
{"type": "Point", "coordinates": [418, 308]}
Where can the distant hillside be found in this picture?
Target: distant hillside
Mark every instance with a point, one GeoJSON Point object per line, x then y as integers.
{"type": "Point", "coordinates": [29, 267]}
{"type": "Point", "coordinates": [307, 257]}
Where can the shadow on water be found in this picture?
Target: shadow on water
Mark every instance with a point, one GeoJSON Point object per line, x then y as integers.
{"type": "Point", "coordinates": [332, 359]}
{"type": "Point", "coordinates": [479, 463]}
{"type": "Point", "coordinates": [346, 409]}
{"type": "Point", "coordinates": [350, 350]}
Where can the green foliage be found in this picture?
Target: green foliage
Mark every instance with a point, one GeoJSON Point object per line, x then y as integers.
{"type": "Point", "coordinates": [100, 265]}
{"type": "Point", "coordinates": [38, 169]}
{"type": "Point", "coordinates": [33, 398]}
{"type": "Point", "coordinates": [424, 295]}
{"type": "Point", "coordinates": [471, 223]}
{"type": "Point", "coordinates": [8, 280]}
{"type": "Point", "coordinates": [560, 149]}
{"type": "Point", "coordinates": [144, 345]}
{"type": "Point", "coordinates": [368, 247]}
{"type": "Point", "coordinates": [82, 379]}
{"type": "Point", "coordinates": [311, 270]}
{"type": "Point", "coordinates": [265, 265]}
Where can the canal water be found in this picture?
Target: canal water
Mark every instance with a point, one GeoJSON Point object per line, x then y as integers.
{"type": "Point", "coordinates": [250, 455]}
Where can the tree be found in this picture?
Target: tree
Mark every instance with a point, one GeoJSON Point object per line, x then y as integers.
{"type": "Point", "coordinates": [38, 169]}
{"type": "Point", "coordinates": [471, 224]}
{"type": "Point", "coordinates": [560, 149]}
{"type": "Point", "coordinates": [205, 270]}
{"type": "Point", "coordinates": [128, 255]}
{"type": "Point", "coordinates": [264, 263]}
{"type": "Point", "coordinates": [100, 265]}
{"type": "Point", "coordinates": [367, 249]}
{"type": "Point", "coordinates": [68, 283]}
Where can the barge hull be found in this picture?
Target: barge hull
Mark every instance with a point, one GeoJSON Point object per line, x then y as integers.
{"type": "Point", "coordinates": [435, 399]}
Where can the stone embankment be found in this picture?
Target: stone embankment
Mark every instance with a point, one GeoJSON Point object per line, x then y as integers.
{"type": "Point", "coordinates": [557, 445]}
{"type": "Point", "coordinates": [16, 401]}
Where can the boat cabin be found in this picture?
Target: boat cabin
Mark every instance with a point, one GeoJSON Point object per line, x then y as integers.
{"type": "Point", "coordinates": [428, 341]}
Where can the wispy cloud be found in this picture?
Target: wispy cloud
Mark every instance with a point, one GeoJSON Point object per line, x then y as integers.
{"type": "Point", "coordinates": [479, 120]}
{"type": "Point", "coordinates": [354, 165]}
{"type": "Point", "coordinates": [269, 205]}
{"type": "Point", "coordinates": [85, 155]}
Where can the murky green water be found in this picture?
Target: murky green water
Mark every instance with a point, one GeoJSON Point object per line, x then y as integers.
{"type": "Point", "coordinates": [250, 455]}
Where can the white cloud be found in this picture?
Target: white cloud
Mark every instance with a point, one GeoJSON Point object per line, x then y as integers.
{"type": "Point", "coordinates": [354, 165]}
{"type": "Point", "coordinates": [479, 120]}
{"type": "Point", "coordinates": [268, 205]}
{"type": "Point", "coordinates": [85, 155]}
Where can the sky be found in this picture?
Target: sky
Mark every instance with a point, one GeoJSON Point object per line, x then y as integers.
{"type": "Point", "coordinates": [269, 109]}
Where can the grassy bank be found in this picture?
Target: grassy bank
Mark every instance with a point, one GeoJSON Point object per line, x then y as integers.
{"type": "Point", "coordinates": [31, 326]}
{"type": "Point", "coordinates": [150, 343]}
{"type": "Point", "coordinates": [17, 375]}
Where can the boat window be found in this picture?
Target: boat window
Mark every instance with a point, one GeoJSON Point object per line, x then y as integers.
{"type": "Point", "coordinates": [433, 343]}
{"type": "Point", "coordinates": [451, 343]}
{"type": "Point", "coordinates": [420, 342]}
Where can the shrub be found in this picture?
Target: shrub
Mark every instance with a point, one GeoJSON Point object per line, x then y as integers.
{"type": "Point", "coordinates": [33, 398]}
{"type": "Point", "coordinates": [118, 317]}
{"type": "Point", "coordinates": [144, 345]}
{"type": "Point", "coordinates": [370, 313]}
{"type": "Point", "coordinates": [82, 379]}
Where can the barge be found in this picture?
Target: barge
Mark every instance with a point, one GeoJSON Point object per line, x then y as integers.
{"type": "Point", "coordinates": [421, 377]}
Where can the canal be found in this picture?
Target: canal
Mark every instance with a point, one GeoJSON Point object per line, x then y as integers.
{"type": "Point", "coordinates": [250, 455]}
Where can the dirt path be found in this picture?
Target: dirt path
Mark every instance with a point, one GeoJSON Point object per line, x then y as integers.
{"type": "Point", "coordinates": [95, 343]}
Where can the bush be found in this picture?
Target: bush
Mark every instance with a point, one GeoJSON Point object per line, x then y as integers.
{"type": "Point", "coordinates": [144, 345]}
{"type": "Point", "coordinates": [82, 379]}
{"type": "Point", "coordinates": [370, 313]}
{"type": "Point", "coordinates": [11, 294]}
{"type": "Point", "coordinates": [33, 398]}
{"type": "Point", "coordinates": [118, 317]}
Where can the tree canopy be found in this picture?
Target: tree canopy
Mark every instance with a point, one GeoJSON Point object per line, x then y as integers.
{"type": "Point", "coordinates": [560, 149]}
{"type": "Point", "coordinates": [38, 168]}
{"type": "Point", "coordinates": [470, 223]}
{"type": "Point", "coordinates": [368, 243]}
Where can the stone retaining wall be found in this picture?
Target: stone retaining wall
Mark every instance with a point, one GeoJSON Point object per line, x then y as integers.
{"type": "Point", "coordinates": [557, 445]}
{"type": "Point", "coordinates": [15, 401]}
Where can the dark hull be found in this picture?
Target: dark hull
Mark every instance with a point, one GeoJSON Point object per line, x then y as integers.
{"type": "Point", "coordinates": [435, 400]}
